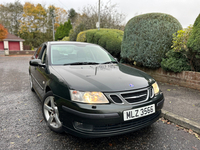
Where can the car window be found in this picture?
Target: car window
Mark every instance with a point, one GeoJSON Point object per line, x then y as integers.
{"type": "Point", "coordinates": [64, 54]}
{"type": "Point", "coordinates": [44, 56]}
{"type": "Point", "coordinates": [42, 51]}
{"type": "Point", "coordinates": [38, 52]}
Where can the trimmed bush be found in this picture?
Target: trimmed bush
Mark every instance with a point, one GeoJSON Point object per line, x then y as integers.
{"type": "Point", "coordinates": [193, 45]}
{"type": "Point", "coordinates": [148, 37]}
{"type": "Point", "coordinates": [175, 61]}
{"type": "Point", "coordinates": [81, 37]}
{"type": "Point", "coordinates": [110, 39]}
{"type": "Point", "coordinates": [66, 38]}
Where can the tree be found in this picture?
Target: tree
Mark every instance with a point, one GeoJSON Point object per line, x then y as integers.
{"type": "Point", "coordinates": [63, 30]}
{"type": "Point", "coordinates": [49, 23]}
{"type": "Point", "coordinates": [67, 27]}
{"type": "Point", "coordinates": [110, 18]}
{"type": "Point", "coordinates": [60, 16]}
{"type": "Point", "coordinates": [3, 32]}
{"type": "Point", "coordinates": [59, 32]}
{"type": "Point", "coordinates": [33, 24]}
{"type": "Point", "coordinates": [10, 16]}
{"type": "Point", "coordinates": [56, 14]}
{"type": "Point", "coordinates": [72, 15]}
{"type": "Point", "coordinates": [33, 18]}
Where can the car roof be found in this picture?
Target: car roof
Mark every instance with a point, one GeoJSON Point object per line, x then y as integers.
{"type": "Point", "coordinates": [68, 42]}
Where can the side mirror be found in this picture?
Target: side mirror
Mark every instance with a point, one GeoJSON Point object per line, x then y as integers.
{"type": "Point", "coordinates": [36, 62]}
{"type": "Point", "coordinates": [42, 65]}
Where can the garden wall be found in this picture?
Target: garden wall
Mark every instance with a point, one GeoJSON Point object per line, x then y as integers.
{"type": "Point", "coordinates": [26, 52]}
{"type": "Point", "coordinates": [186, 78]}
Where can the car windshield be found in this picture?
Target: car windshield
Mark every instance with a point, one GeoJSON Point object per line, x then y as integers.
{"type": "Point", "coordinates": [79, 54]}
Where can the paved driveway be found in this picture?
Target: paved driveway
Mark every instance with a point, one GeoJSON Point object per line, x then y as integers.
{"type": "Point", "coordinates": [22, 125]}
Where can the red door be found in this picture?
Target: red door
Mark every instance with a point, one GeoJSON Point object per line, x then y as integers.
{"type": "Point", "coordinates": [1, 45]}
{"type": "Point", "coordinates": [14, 45]}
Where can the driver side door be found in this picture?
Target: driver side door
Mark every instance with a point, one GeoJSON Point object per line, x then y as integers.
{"type": "Point", "coordinates": [39, 72]}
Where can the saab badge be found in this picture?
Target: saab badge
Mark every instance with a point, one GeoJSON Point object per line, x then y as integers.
{"type": "Point", "coordinates": [131, 85]}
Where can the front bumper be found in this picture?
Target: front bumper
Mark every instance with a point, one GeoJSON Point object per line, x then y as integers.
{"type": "Point", "coordinates": [104, 120]}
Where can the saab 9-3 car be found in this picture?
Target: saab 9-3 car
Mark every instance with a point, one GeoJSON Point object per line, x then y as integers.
{"type": "Point", "coordinates": [88, 93]}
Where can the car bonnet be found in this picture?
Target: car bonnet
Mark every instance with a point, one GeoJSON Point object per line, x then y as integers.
{"type": "Point", "coordinates": [103, 77]}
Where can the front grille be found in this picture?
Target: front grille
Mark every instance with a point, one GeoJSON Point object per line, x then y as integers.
{"type": "Point", "coordinates": [135, 100]}
{"type": "Point", "coordinates": [134, 124]}
{"type": "Point", "coordinates": [136, 96]}
{"type": "Point", "coordinates": [133, 94]}
{"type": "Point", "coordinates": [131, 97]}
{"type": "Point", "coordinates": [116, 99]}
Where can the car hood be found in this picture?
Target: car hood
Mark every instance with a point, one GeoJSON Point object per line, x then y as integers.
{"type": "Point", "coordinates": [104, 78]}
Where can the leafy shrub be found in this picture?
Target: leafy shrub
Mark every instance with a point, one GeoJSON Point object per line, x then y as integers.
{"type": "Point", "coordinates": [193, 45]}
{"type": "Point", "coordinates": [66, 38]}
{"type": "Point", "coordinates": [148, 37]}
{"type": "Point", "coordinates": [110, 39]}
{"type": "Point", "coordinates": [180, 39]}
{"type": "Point", "coordinates": [178, 59]}
{"type": "Point", "coordinates": [175, 62]}
{"type": "Point", "coordinates": [81, 37]}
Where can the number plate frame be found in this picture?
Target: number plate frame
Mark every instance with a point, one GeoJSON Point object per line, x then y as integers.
{"type": "Point", "coordinates": [138, 112]}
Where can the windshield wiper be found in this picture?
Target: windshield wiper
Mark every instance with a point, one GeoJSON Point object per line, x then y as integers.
{"type": "Point", "coordinates": [90, 63]}
{"type": "Point", "coordinates": [109, 62]}
{"type": "Point", "coordinates": [82, 63]}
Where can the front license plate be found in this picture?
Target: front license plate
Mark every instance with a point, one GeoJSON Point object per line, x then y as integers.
{"type": "Point", "coordinates": [139, 112]}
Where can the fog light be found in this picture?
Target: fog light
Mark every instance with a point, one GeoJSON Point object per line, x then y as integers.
{"type": "Point", "coordinates": [83, 126]}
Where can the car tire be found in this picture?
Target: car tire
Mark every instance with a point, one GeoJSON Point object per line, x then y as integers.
{"type": "Point", "coordinates": [51, 113]}
{"type": "Point", "coordinates": [31, 83]}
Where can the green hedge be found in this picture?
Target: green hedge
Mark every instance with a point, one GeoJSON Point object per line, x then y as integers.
{"type": "Point", "coordinates": [66, 38]}
{"type": "Point", "coordinates": [193, 45]}
{"type": "Point", "coordinates": [110, 39]}
{"type": "Point", "coordinates": [148, 37]}
{"type": "Point", "coordinates": [81, 37]}
{"type": "Point", "coordinates": [175, 61]}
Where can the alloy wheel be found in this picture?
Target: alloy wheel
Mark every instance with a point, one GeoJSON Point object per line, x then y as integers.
{"type": "Point", "coordinates": [51, 112]}
{"type": "Point", "coordinates": [31, 82]}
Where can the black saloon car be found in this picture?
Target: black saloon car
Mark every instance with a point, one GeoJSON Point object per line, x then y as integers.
{"type": "Point", "coordinates": [87, 93]}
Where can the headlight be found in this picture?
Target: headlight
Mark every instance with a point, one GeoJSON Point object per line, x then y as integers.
{"type": "Point", "coordinates": [155, 88]}
{"type": "Point", "coordinates": [88, 97]}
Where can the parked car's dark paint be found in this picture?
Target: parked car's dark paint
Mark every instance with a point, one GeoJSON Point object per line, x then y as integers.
{"type": "Point", "coordinates": [95, 120]}
{"type": "Point", "coordinates": [102, 77]}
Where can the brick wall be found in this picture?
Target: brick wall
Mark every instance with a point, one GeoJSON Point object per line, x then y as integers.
{"type": "Point", "coordinates": [186, 78]}
{"type": "Point", "coordinates": [27, 52]}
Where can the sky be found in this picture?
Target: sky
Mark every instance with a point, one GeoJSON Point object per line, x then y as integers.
{"type": "Point", "coordinates": [186, 11]}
